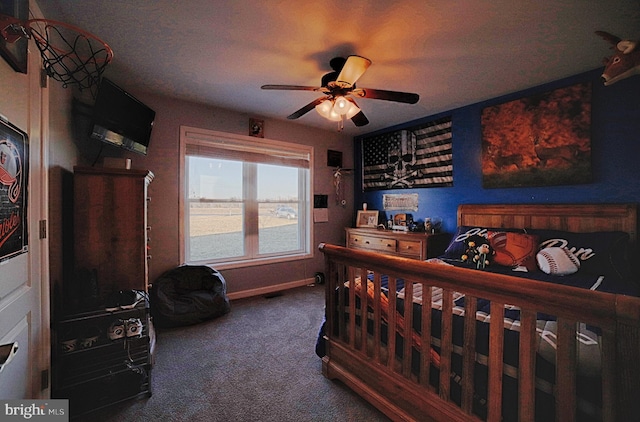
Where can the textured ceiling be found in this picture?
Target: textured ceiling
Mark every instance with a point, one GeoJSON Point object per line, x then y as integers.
{"type": "Point", "coordinates": [452, 53]}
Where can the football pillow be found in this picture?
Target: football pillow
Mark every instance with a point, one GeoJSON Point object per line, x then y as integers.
{"type": "Point", "coordinates": [514, 249]}
{"type": "Point", "coordinates": [458, 246]}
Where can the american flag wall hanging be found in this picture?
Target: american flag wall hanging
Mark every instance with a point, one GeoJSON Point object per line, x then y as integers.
{"type": "Point", "coordinates": [416, 157]}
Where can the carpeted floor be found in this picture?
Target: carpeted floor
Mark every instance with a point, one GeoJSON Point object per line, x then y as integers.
{"type": "Point", "coordinates": [256, 363]}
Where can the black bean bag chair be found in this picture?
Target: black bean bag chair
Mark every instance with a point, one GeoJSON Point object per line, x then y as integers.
{"type": "Point", "coordinates": [188, 295]}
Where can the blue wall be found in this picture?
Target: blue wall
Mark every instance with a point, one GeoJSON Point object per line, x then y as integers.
{"type": "Point", "coordinates": [615, 150]}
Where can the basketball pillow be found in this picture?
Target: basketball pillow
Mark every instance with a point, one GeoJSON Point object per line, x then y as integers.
{"type": "Point", "coordinates": [557, 261]}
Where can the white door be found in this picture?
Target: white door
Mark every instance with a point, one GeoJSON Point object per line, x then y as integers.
{"type": "Point", "coordinates": [24, 299]}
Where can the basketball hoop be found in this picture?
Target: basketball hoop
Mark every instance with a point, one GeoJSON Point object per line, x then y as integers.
{"type": "Point", "coordinates": [69, 54]}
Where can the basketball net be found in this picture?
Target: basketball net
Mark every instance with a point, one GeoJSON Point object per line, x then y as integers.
{"type": "Point", "coordinates": [69, 54]}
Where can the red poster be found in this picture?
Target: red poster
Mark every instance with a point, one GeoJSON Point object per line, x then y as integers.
{"type": "Point", "coordinates": [13, 191]}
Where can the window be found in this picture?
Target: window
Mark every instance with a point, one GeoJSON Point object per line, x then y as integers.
{"type": "Point", "coordinates": [244, 199]}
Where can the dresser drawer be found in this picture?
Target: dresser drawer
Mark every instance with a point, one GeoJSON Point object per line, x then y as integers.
{"type": "Point", "coordinates": [405, 244]}
{"type": "Point", "coordinates": [410, 249]}
{"type": "Point", "coordinates": [379, 244]}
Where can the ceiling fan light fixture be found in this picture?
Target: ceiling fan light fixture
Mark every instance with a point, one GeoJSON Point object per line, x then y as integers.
{"type": "Point", "coordinates": [341, 105]}
{"type": "Point", "coordinates": [327, 110]}
{"type": "Point", "coordinates": [353, 110]}
{"type": "Point", "coordinates": [345, 108]}
{"type": "Point", "coordinates": [337, 109]}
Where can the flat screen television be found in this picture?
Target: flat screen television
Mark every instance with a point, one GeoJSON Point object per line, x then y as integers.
{"type": "Point", "coordinates": [120, 119]}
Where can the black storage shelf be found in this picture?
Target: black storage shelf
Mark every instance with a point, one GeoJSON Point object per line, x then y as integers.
{"type": "Point", "coordinates": [104, 371]}
{"type": "Point", "coordinates": [75, 369]}
{"type": "Point", "coordinates": [100, 313]}
{"type": "Point", "coordinates": [105, 391]}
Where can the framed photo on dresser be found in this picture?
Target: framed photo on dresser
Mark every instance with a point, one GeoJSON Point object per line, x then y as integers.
{"type": "Point", "coordinates": [367, 219]}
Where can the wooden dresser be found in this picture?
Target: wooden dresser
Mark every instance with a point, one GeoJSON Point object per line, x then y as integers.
{"type": "Point", "coordinates": [406, 244]}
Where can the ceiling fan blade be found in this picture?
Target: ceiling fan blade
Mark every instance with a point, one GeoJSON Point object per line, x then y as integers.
{"type": "Point", "coordinates": [292, 87]}
{"type": "Point", "coordinates": [354, 67]}
{"type": "Point", "coordinates": [359, 119]}
{"type": "Point", "coordinates": [381, 94]}
{"type": "Point", "coordinates": [304, 110]}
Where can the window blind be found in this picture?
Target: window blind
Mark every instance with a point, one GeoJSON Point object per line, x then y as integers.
{"type": "Point", "coordinates": [221, 145]}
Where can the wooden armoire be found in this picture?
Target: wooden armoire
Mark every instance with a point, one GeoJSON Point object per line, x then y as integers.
{"type": "Point", "coordinates": [111, 233]}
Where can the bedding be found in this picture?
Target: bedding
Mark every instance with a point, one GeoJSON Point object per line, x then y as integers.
{"type": "Point", "coordinates": [603, 257]}
{"type": "Point", "coordinates": [605, 252]}
{"type": "Point", "coordinates": [374, 341]}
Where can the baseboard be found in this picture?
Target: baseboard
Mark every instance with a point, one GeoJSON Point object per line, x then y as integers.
{"type": "Point", "coordinates": [270, 289]}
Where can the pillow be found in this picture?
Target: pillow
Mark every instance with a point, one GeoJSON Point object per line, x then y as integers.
{"type": "Point", "coordinates": [557, 261]}
{"type": "Point", "coordinates": [602, 253]}
{"type": "Point", "coordinates": [514, 249]}
{"type": "Point", "coordinates": [457, 246]}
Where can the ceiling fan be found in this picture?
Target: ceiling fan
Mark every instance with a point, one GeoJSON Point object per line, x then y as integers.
{"type": "Point", "coordinates": [339, 88]}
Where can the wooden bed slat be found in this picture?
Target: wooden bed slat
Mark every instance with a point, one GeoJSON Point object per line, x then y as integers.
{"type": "Point", "coordinates": [446, 345]}
{"type": "Point", "coordinates": [363, 312]}
{"type": "Point", "coordinates": [352, 310]}
{"type": "Point", "coordinates": [527, 365]}
{"type": "Point", "coordinates": [425, 338]}
{"type": "Point", "coordinates": [407, 329]}
{"type": "Point", "coordinates": [469, 353]}
{"type": "Point", "coordinates": [377, 317]}
{"type": "Point", "coordinates": [496, 342]}
{"type": "Point", "coordinates": [342, 325]}
{"type": "Point", "coordinates": [391, 336]}
{"type": "Point", "coordinates": [566, 370]}
{"type": "Point", "coordinates": [608, 376]}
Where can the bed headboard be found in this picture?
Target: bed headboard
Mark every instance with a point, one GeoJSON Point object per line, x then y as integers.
{"type": "Point", "coordinates": [579, 218]}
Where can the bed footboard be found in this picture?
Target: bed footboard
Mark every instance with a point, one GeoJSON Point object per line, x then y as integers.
{"type": "Point", "coordinates": [423, 351]}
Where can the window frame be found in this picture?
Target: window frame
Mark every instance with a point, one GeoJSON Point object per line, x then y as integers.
{"type": "Point", "coordinates": [191, 138]}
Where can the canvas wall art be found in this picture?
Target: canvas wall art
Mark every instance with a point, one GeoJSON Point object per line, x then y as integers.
{"type": "Point", "coordinates": [417, 157]}
{"type": "Point", "coordinates": [541, 140]}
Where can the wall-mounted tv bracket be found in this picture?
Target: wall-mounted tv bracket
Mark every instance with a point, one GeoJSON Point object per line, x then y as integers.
{"type": "Point", "coordinates": [70, 54]}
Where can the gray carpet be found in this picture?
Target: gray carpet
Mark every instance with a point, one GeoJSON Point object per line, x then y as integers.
{"type": "Point", "coordinates": [256, 363]}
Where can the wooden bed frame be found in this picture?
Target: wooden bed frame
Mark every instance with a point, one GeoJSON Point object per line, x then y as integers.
{"type": "Point", "coordinates": [389, 383]}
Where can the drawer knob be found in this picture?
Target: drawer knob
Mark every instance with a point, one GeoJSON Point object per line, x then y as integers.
{"type": "Point", "coordinates": [367, 242]}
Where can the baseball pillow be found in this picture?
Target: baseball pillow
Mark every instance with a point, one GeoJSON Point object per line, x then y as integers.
{"type": "Point", "coordinates": [557, 261]}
